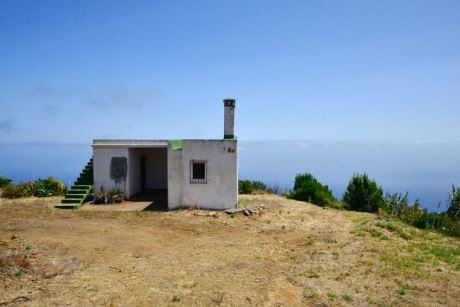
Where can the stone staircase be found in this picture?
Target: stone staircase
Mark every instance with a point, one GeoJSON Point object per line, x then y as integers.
{"type": "Point", "coordinates": [81, 189]}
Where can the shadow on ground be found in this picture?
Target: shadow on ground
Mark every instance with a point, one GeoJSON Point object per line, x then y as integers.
{"type": "Point", "coordinates": [159, 199]}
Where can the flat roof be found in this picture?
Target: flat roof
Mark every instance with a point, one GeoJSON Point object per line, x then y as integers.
{"type": "Point", "coordinates": [130, 143]}
{"type": "Point", "coordinates": [144, 143]}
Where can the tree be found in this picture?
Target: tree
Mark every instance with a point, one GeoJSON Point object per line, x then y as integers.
{"type": "Point", "coordinates": [363, 194]}
{"type": "Point", "coordinates": [308, 188]}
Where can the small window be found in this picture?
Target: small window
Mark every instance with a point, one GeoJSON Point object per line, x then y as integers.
{"type": "Point", "coordinates": [198, 171]}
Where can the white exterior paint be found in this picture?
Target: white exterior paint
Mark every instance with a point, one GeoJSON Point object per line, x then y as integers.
{"type": "Point", "coordinates": [101, 166]}
{"type": "Point", "coordinates": [172, 170]}
{"type": "Point", "coordinates": [221, 189]}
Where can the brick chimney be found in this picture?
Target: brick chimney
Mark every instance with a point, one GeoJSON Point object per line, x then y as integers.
{"type": "Point", "coordinates": [229, 118]}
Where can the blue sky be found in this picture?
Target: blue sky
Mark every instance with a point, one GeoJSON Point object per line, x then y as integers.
{"type": "Point", "coordinates": [71, 71]}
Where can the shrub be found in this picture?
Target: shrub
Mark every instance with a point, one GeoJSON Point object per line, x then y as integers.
{"type": "Point", "coordinates": [454, 200]}
{"type": "Point", "coordinates": [41, 188]}
{"type": "Point", "coordinates": [414, 215]}
{"type": "Point", "coordinates": [4, 182]}
{"type": "Point", "coordinates": [18, 190]}
{"type": "Point", "coordinates": [12, 191]}
{"type": "Point", "coordinates": [308, 188]}
{"type": "Point", "coordinates": [252, 187]}
{"type": "Point", "coordinates": [393, 203]}
{"type": "Point", "coordinates": [363, 194]}
{"type": "Point", "coordinates": [48, 187]}
{"type": "Point", "coordinates": [397, 205]}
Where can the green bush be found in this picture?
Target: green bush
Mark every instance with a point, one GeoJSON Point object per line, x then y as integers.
{"type": "Point", "coordinates": [252, 187]}
{"type": "Point", "coordinates": [4, 182]}
{"type": "Point", "coordinates": [18, 190]}
{"type": "Point", "coordinates": [454, 204]}
{"type": "Point", "coordinates": [308, 188]}
{"type": "Point", "coordinates": [41, 188]}
{"type": "Point", "coordinates": [48, 187]}
{"type": "Point", "coordinates": [397, 205]}
{"type": "Point", "coordinates": [363, 194]}
{"type": "Point", "coordinates": [394, 202]}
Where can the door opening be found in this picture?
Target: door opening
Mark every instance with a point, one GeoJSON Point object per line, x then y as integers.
{"type": "Point", "coordinates": [143, 185]}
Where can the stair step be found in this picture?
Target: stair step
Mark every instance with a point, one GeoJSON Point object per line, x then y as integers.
{"type": "Point", "coordinates": [71, 201]}
{"type": "Point", "coordinates": [75, 196]}
{"type": "Point", "coordinates": [67, 206]}
{"type": "Point", "coordinates": [82, 186]}
{"type": "Point", "coordinates": [89, 176]}
{"type": "Point", "coordinates": [77, 191]}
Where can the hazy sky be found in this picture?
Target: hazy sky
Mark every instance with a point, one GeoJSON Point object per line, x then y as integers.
{"type": "Point", "coordinates": [71, 71]}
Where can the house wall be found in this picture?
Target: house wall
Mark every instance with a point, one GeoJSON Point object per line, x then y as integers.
{"type": "Point", "coordinates": [221, 189]}
{"type": "Point", "coordinates": [134, 171]}
{"type": "Point", "coordinates": [102, 157]}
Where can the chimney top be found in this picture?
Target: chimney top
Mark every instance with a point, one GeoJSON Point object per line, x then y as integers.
{"type": "Point", "coordinates": [229, 102]}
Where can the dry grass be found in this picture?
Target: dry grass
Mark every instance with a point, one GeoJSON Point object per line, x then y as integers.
{"type": "Point", "coordinates": [289, 254]}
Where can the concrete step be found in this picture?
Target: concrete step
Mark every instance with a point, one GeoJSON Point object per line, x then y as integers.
{"type": "Point", "coordinates": [67, 206]}
{"type": "Point", "coordinates": [75, 196]}
{"type": "Point", "coordinates": [72, 201]}
{"type": "Point", "coordinates": [81, 187]}
{"type": "Point", "coordinates": [77, 191]}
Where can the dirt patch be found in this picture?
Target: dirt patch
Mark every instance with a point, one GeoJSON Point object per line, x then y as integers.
{"type": "Point", "coordinates": [124, 206]}
{"type": "Point", "coordinates": [289, 253]}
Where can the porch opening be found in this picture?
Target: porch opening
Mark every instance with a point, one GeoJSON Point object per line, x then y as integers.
{"type": "Point", "coordinates": [148, 176]}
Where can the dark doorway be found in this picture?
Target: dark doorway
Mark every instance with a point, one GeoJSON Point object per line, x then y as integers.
{"type": "Point", "coordinates": [143, 185]}
{"type": "Point", "coordinates": [149, 178]}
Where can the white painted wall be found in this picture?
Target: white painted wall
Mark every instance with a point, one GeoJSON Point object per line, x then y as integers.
{"type": "Point", "coordinates": [221, 189]}
{"type": "Point", "coordinates": [134, 171]}
{"type": "Point", "coordinates": [102, 157]}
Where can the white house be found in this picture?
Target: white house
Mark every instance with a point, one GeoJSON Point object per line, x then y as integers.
{"type": "Point", "coordinates": [178, 173]}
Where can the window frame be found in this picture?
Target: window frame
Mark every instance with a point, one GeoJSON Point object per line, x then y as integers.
{"type": "Point", "coordinates": [199, 180]}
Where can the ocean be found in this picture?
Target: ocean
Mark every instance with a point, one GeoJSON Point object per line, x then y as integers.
{"type": "Point", "coordinates": [427, 170]}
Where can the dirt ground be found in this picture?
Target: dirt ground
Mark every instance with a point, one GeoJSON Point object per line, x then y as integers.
{"type": "Point", "coordinates": [288, 253]}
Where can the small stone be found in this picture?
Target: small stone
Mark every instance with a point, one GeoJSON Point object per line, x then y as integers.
{"type": "Point", "coordinates": [234, 210]}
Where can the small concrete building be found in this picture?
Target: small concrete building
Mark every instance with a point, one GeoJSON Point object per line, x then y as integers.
{"type": "Point", "coordinates": [174, 173]}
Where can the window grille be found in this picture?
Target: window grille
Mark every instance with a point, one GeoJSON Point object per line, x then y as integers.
{"type": "Point", "coordinates": [198, 171]}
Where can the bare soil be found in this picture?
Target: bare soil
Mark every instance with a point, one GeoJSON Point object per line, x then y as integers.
{"type": "Point", "coordinates": [288, 254]}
